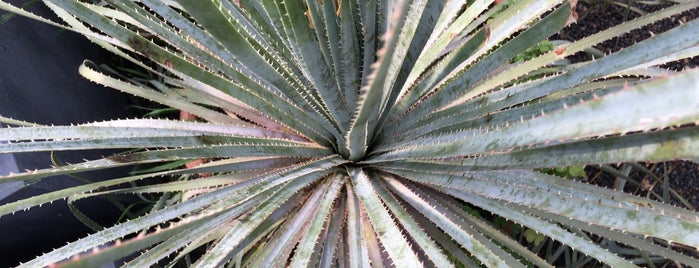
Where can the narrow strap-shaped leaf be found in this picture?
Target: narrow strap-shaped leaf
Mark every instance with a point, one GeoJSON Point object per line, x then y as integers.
{"type": "Point", "coordinates": [559, 53]}
{"type": "Point", "coordinates": [370, 238]}
{"type": "Point", "coordinates": [322, 22]}
{"type": "Point", "coordinates": [61, 194]}
{"type": "Point", "coordinates": [243, 164]}
{"type": "Point", "coordinates": [450, 10]}
{"type": "Point", "coordinates": [388, 233]}
{"type": "Point", "coordinates": [422, 240]}
{"type": "Point", "coordinates": [263, 229]}
{"type": "Point", "coordinates": [134, 128]}
{"type": "Point", "coordinates": [223, 59]}
{"type": "Point", "coordinates": [660, 103]}
{"type": "Point", "coordinates": [233, 36]}
{"type": "Point", "coordinates": [497, 30]}
{"type": "Point", "coordinates": [467, 240]}
{"type": "Point", "coordinates": [248, 248]}
{"type": "Point", "coordinates": [440, 39]}
{"type": "Point", "coordinates": [418, 21]}
{"type": "Point", "coordinates": [475, 123]}
{"type": "Point", "coordinates": [113, 253]}
{"type": "Point", "coordinates": [221, 252]}
{"type": "Point", "coordinates": [106, 42]}
{"type": "Point", "coordinates": [99, 238]}
{"type": "Point", "coordinates": [650, 48]}
{"type": "Point", "coordinates": [22, 12]}
{"type": "Point", "coordinates": [349, 52]}
{"type": "Point", "coordinates": [357, 252]}
{"type": "Point", "coordinates": [331, 241]}
{"type": "Point", "coordinates": [454, 88]}
{"type": "Point", "coordinates": [234, 211]}
{"type": "Point", "coordinates": [194, 147]}
{"type": "Point", "coordinates": [91, 165]}
{"type": "Point", "coordinates": [271, 14]}
{"type": "Point", "coordinates": [636, 242]}
{"type": "Point", "coordinates": [653, 146]}
{"type": "Point", "coordinates": [84, 219]}
{"type": "Point", "coordinates": [305, 249]}
{"type": "Point", "coordinates": [204, 230]}
{"type": "Point", "coordinates": [544, 227]}
{"type": "Point", "coordinates": [439, 71]}
{"type": "Point", "coordinates": [230, 129]}
{"type": "Point", "coordinates": [129, 142]}
{"type": "Point", "coordinates": [230, 165]}
{"type": "Point", "coordinates": [276, 14]}
{"type": "Point", "coordinates": [572, 189]}
{"type": "Point", "coordinates": [483, 200]}
{"type": "Point", "coordinates": [447, 244]}
{"type": "Point", "coordinates": [570, 49]}
{"type": "Point", "coordinates": [212, 96]}
{"type": "Point", "coordinates": [585, 191]}
{"type": "Point", "coordinates": [149, 22]}
{"type": "Point", "coordinates": [264, 100]}
{"type": "Point", "coordinates": [368, 15]}
{"type": "Point", "coordinates": [305, 40]}
{"type": "Point", "coordinates": [602, 210]}
{"type": "Point", "coordinates": [97, 77]}
{"type": "Point", "coordinates": [16, 122]}
{"type": "Point", "coordinates": [510, 20]}
{"type": "Point", "coordinates": [451, 206]}
{"type": "Point", "coordinates": [110, 44]}
{"type": "Point", "coordinates": [427, 12]}
{"type": "Point", "coordinates": [296, 228]}
{"type": "Point", "coordinates": [174, 240]}
{"type": "Point", "coordinates": [374, 96]}
{"type": "Point", "coordinates": [267, 24]}
{"type": "Point", "coordinates": [232, 194]}
{"type": "Point", "coordinates": [195, 49]}
{"type": "Point", "coordinates": [174, 186]}
{"type": "Point", "coordinates": [684, 54]}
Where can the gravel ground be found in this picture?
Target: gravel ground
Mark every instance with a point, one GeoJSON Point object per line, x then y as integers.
{"type": "Point", "coordinates": [683, 175]}
{"type": "Point", "coordinates": [599, 16]}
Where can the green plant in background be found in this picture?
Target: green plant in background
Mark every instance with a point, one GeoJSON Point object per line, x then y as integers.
{"type": "Point", "coordinates": [572, 172]}
{"type": "Point", "coordinates": [354, 132]}
{"type": "Point", "coordinates": [534, 51]}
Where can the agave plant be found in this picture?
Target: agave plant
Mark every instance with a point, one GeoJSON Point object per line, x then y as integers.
{"type": "Point", "coordinates": [354, 133]}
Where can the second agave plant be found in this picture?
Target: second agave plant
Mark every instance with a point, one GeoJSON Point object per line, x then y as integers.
{"type": "Point", "coordinates": [355, 133]}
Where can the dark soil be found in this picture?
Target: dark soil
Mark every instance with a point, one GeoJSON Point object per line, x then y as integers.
{"type": "Point", "coordinates": [595, 16]}
{"type": "Point", "coordinates": [682, 178]}
{"type": "Point", "coordinates": [601, 15]}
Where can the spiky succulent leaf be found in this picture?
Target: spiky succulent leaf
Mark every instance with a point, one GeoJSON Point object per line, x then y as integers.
{"type": "Point", "coordinates": [352, 133]}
